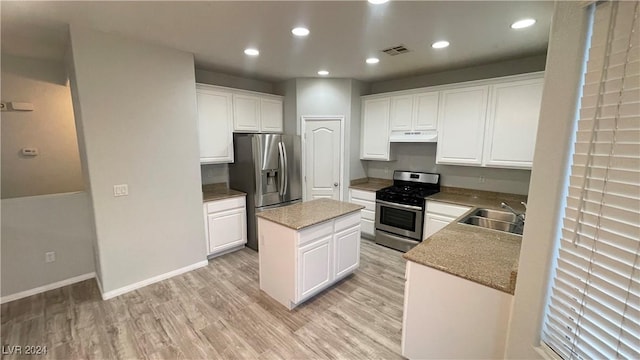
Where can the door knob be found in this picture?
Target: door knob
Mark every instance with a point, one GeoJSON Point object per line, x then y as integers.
{"type": "Point", "coordinates": [335, 184]}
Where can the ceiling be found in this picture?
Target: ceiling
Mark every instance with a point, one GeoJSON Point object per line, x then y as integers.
{"type": "Point", "coordinates": [343, 33]}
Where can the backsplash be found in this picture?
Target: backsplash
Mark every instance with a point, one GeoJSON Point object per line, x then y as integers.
{"type": "Point", "coordinates": [216, 173]}
{"type": "Point", "coordinates": [422, 157]}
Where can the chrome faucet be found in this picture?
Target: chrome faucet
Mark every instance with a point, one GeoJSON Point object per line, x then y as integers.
{"type": "Point", "coordinates": [519, 216]}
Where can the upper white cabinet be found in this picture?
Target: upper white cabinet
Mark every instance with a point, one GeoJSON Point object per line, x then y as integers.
{"type": "Point", "coordinates": [493, 125]}
{"type": "Point", "coordinates": [414, 111]}
{"type": "Point", "coordinates": [512, 123]}
{"type": "Point", "coordinates": [374, 143]}
{"type": "Point", "coordinates": [246, 113]}
{"type": "Point", "coordinates": [271, 114]}
{"type": "Point", "coordinates": [215, 124]}
{"type": "Point", "coordinates": [257, 113]}
{"type": "Point", "coordinates": [461, 125]}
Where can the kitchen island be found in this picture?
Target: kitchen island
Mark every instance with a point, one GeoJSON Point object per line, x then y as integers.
{"type": "Point", "coordinates": [307, 247]}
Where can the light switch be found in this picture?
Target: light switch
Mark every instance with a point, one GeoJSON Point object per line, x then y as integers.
{"type": "Point", "coordinates": [121, 190]}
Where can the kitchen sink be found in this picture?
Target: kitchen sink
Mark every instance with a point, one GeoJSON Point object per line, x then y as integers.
{"type": "Point", "coordinates": [494, 220]}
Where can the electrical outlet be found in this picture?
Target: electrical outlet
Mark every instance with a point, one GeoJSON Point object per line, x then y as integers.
{"type": "Point", "coordinates": [121, 190]}
{"type": "Point", "coordinates": [50, 256]}
{"type": "Point", "coordinates": [482, 179]}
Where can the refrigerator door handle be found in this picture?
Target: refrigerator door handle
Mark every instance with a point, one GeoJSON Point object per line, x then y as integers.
{"type": "Point", "coordinates": [282, 174]}
{"type": "Point", "coordinates": [286, 169]}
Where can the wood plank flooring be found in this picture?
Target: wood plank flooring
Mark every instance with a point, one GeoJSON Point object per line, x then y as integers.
{"type": "Point", "coordinates": [217, 312]}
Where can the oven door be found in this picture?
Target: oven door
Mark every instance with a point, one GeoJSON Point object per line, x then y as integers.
{"type": "Point", "coordinates": [399, 219]}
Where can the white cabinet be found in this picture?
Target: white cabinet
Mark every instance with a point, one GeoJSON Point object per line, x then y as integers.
{"type": "Point", "coordinates": [439, 214]}
{"type": "Point", "coordinates": [414, 111]}
{"type": "Point", "coordinates": [448, 317]}
{"type": "Point", "coordinates": [368, 200]}
{"type": "Point", "coordinates": [225, 224]}
{"type": "Point", "coordinates": [492, 125]}
{"type": "Point", "coordinates": [314, 266]}
{"type": "Point", "coordinates": [512, 123]}
{"type": "Point", "coordinates": [374, 144]}
{"type": "Point", "coordinates": [461, 123]}
{"type": "Point", "coordinates": [257, 113]}
{"type": "Point", "coordinates": [297, 264]}
{"type": "Point", "coordinates": [246, 113]}
{"type": "Point", "coordinates": [271, 116]}
{"type": "Point", "coordinates": [215, 125]}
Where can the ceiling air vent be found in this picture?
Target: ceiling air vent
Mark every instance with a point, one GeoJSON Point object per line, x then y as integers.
{"type": "Point", "coordinates": [396, 50]}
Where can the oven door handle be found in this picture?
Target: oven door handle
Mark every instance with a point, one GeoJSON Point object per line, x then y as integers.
{"type": "Point", "coordinates": [402, 206]}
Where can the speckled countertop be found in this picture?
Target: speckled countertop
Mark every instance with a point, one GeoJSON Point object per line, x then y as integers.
{"type": "Point", "coordinates": [218, 191]}
{"type": "Point", "coordinates": [370, 184]}
{"type": "Point", "coordinates": [487, 257]}
{"type": "Point", "coordinates": [305, 214]}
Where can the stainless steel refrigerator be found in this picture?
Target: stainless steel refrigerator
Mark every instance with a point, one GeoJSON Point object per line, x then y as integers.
{"type": "Point", "coordinates": [267, 168]}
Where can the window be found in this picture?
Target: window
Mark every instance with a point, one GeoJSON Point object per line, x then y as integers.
{"type": "Point", "coordinates": [594, 308]}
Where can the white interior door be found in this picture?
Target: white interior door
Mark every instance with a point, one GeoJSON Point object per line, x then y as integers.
{"type": "Point", "coordinates": [323, 157]}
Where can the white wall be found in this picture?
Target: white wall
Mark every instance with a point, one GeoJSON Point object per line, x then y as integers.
{"type": "Point", "coordinates": [34, 225]}
{"type": "Point", "coordinates": [214, 173]}
{"type": "Point", "coordinates": [548, 178]}
{"type": "Point", "coordinates": [50, 128]}
{"type": "Point", "coordinates": [478, 72]}
{"type": "Point", "coordinates": [357, 169]}
{"type": "Point", "coordinates": [136, 114]}
{"type": "Point", "coordinates": [422, 157]}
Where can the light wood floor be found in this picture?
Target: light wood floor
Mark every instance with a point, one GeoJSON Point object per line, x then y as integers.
{"type": "Point", "coordinates": [218, 312]}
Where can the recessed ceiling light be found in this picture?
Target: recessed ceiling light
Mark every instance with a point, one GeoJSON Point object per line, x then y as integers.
{"type": "Point", "coordinates": [300, 31]}
{"type": "Point", "coordinates": [376, 2]}
{"type": "Point", "coordinates": [521, 24]}
{"type": "Point", "coordinates": [323, 73]}
{"type": "Point", "coordinates": [373, 60]}
{"type": "Point", "coordinates": [440, 44]}
{"type": "Point", "coordinates": [251, 52]}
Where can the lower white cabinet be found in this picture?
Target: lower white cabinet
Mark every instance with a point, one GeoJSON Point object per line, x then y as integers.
{"type": "Point", "coordinates": [448, 317]}
{"type": "Point", "coordinates": [439, 215]}
{"type": "Point", "coordinates": [226, 224]}
{"type": "Point", "coordinates": [297, 264]}
{"type": "Point", "coordinates": [368, 200]}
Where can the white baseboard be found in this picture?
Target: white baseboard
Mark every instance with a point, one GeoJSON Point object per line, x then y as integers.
{"type": "Point", "coordinates": [41, 289]}
{"type": "Point", "coordinates": [125, 289]}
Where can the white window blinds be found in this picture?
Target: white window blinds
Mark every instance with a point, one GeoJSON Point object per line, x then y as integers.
{"type": "Point", "coordinates": [594, 308]}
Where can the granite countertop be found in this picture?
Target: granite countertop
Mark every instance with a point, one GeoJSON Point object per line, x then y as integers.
{"type": "Point", "coordinates": [484, 256]}
{"type": "Point", "coordinates": [305, 214]}
{"type": "Point", "coordinates": [219, 191]}
{"type": "Point", "coordinates": [370, 184]}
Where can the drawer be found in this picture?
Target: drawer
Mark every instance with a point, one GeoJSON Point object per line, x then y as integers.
{"type": "Point", "coordinates": [368, 214]}
{"type": "Point", "coordinates": [347, 221]}
{"type": "Point", "coordinates": [446, 209]}
{"type": "Point", "coordinates": [315, 232]}
{"type": "Point", "coordinates": [225, 204]}
{"type": "Point", "coordinates": [368, 205]}
{"type": "Point", "coordinates": [363, 195]}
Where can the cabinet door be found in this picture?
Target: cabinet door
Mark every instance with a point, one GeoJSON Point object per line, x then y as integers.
{"type": "Point", "coordinates": [425, 115]}
{"type": "Point", "coordinates": [401, 114]}
{"type": "Point", "coordinates": [227, 229]}
{"type": "Point", "coordinates": [461, 125]}
{"type": "Point", "coordinates": [512, 123]}
{"type": "Point", "coordinates": [347, 251]}
{"type": "Point", "coordinates": [435, 223]}
{"type": "Point", "coordinates": [375, 130]}
{"type": "Point", "coordinates": [271, 119]}
{"type": "Point", "coordinates": [314, 267]}
{"type": "Point", "coordinates": [215, 126]}
{"type": "Point", "coordinates": [246, 113]}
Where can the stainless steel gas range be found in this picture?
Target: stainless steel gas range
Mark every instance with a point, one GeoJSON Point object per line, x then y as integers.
{"type": "Point", "coordinates": [400, 209]}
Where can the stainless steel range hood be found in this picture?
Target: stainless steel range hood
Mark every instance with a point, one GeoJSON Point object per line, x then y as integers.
{"type": "Point", "coordinates": [413, 136]}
